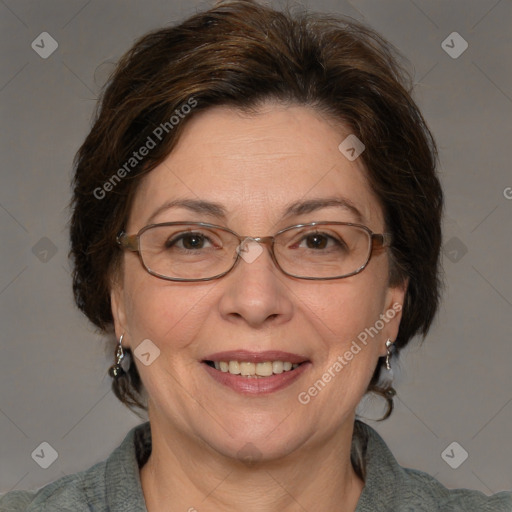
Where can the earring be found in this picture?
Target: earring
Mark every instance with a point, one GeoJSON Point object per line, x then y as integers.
{"type": "Point", "coordinates": [389, 343]}
{"type": "Point", "coordinates": [387, 377]}
{"type": "Point", "coordinates": [116, 370]}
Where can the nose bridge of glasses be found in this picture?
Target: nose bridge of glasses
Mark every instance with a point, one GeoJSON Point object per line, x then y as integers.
{"type": "Point", "coordinates": [263, 240]}
{"type": "Point", "coordinates": [250, 247]}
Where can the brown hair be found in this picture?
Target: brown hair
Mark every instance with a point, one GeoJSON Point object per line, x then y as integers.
{"type": "Point", "coordinates": [241, 54]}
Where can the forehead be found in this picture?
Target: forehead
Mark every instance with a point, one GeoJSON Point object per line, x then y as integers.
{"type": "Point", "coordinates": [255, 166]}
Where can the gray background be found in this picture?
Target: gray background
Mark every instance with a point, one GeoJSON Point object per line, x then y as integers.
{"type": "Point", "coordinates": [457, 386]}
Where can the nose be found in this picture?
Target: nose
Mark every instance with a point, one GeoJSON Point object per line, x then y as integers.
{"type": "Point", "coordinates": [254, 291]}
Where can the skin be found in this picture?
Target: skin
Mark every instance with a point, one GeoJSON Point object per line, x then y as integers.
{"type": "Point", "coordinates": [254, 165]}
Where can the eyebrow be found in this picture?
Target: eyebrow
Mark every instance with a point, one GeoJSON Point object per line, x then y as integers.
{"type": "Point", "coordinates": [294, 209]}
{"type": "Point", "coordinates": [312, 205]}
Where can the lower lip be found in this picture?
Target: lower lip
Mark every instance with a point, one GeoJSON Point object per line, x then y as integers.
{"type": "Point", "coordinates": [257, 386]}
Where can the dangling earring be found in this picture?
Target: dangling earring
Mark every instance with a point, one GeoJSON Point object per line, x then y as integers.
{"type": "Point", "coordinates": [387, 377]}
{"type": "Point", "coordinates": [389, 343]}
{"type": "Point", "coordinates": [116, 370]}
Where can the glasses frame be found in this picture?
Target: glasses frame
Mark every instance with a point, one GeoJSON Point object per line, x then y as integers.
{"type": "Point", "coordinates": [132, 243]}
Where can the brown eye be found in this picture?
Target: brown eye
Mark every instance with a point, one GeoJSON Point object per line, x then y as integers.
{"type": "Point", "coordinates": [189, 241]}
{"type": "Point", "coordinates": [319, 241]}
{"type": "Point", "coordinates": [316, 241]}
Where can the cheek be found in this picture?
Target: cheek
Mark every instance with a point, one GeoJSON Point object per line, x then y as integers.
{"type": "Point", "coordinates": [164, 312]}
{"type": "Point", "coordinates": [343, 316]}
{"type": "Point", "coordinates": [346, 308]}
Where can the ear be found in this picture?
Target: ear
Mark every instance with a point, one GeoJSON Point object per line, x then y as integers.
{"type": "Point", "coordinates": [394, 304]}
{"type": "Point", "coordinates": [118, 306]}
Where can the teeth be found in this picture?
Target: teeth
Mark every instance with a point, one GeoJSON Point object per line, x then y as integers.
{"type": "Point", "coordinates": [248, 369]}
{"type": "Point", "coordinates": [264, 369]}
{"type": "Point", "coordinates": [234, 367]}
{"type": "Point", "coordinates": [277, 366]}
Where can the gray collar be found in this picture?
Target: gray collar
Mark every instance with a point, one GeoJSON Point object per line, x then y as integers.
{"type": "Point", "coordinates": [124, 490]}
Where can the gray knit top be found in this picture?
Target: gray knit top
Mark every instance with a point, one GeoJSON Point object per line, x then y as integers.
{"type": "Point", "coordinates": [114, 484]}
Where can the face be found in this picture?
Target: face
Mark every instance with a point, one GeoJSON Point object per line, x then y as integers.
{"type": "Point", "coordinates": [255, 167]}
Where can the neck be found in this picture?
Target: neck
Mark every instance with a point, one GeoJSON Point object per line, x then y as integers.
{"type": "Point", "coordinates": [183, 474]}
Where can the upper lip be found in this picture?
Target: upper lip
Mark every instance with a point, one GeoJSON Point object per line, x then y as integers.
{"type": "Point", "coordinates": [256, 357]}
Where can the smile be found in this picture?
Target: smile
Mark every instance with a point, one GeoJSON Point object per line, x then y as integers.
{"type": "Point", "coordinates": [256, 370]}
{"type": "Point", "coordinates": [255, 373]}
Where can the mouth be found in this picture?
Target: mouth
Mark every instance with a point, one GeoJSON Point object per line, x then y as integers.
{"type": "Point", "coordinates": [255, 372]}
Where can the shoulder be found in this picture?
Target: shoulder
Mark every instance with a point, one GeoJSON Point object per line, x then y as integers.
{"type": "Point", "coordinates": [423, 488]}
{"type": "Point", "coordinates": [70, 493]}
{"type": "Point", "coordinates": [15, 501]}
{"type": "Point", "coordinates": [112, 485]}
{"type": "Point", "coordinates": [390, 487]}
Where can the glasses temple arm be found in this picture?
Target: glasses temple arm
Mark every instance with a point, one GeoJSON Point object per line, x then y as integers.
{"type": "Point", "coordinates": [129, 242]}
{"type": "Point", "coordinates": [383, 239]}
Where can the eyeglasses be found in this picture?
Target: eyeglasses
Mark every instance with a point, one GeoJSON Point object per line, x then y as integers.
{"type": "Point", "coordinates": [198, 251]}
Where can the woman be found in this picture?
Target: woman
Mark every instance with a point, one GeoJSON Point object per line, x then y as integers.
{"type": "Point", "coordinates": [256, 218]}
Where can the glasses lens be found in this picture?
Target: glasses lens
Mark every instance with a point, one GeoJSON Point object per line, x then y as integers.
{"type": "Point", "coordinates": [323, 251]}
{"type": "Point", "coordinates": [187, 251]}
